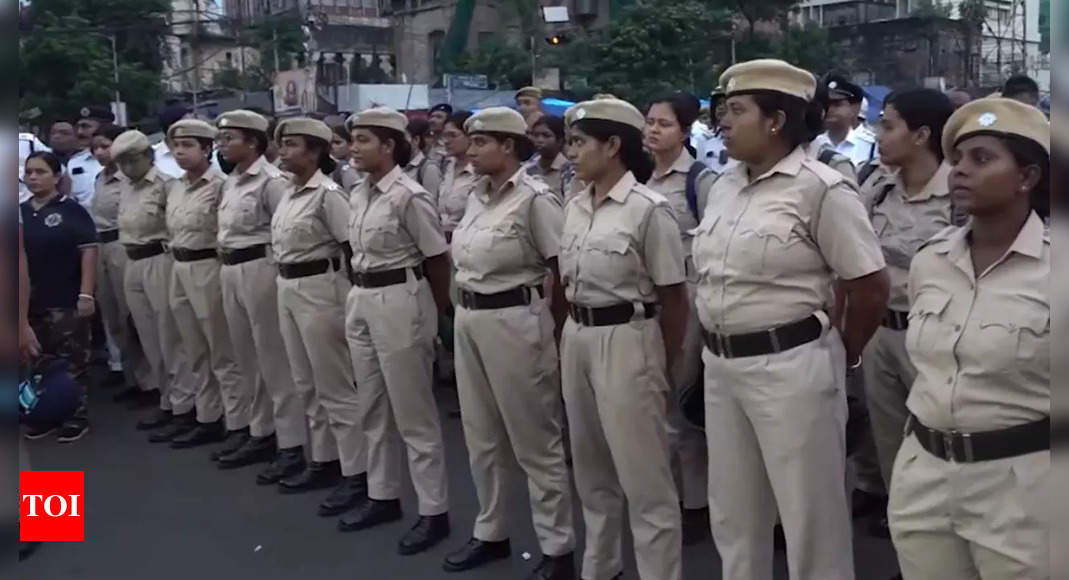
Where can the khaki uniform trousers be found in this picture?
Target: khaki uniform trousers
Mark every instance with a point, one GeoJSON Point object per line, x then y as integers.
{"type": "Point", "coordinates": [616, 393]}
{"type": "Point", "coordinates": [690, 459]}
{"type": "Point", "coordinates": [775, 427]}
{"type": "Point", "coordinates": [250, 303]}
{"type": "Point", "coordinates": [147, 284]}
{"type": "Point", "coordinates": [111, 296]}
{"type": "Point", "coordinates": [197, 304]}
{"type": "Point", "coordinates": [967, 521]}
{"type": "Point", "coordinates": [391, 334]}
{"type": "Point", "coordinates": [889, 374]}
{"type": "Point", "coordinates": [311, 316]}
{"type": "Point", "coordinates": [511, 407]}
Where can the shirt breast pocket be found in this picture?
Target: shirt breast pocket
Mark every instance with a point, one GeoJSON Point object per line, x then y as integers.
{"type": "Point", "coordinates": [1033, 340]}
{"type": "Point", "coordinates": [248, 211]}
{"type": "Point", "coordinates": [607, 260]}
{"type": "Point", "coordinates": [704, 244]}
{"type": "Point", "coordinates": [499, 247]}
{"type": "Point", "coordinates": [773, 248]}
{"type": "Point", "coordinates": [382, 236]}
{"type": "Point", "coordinates": [925, 317]}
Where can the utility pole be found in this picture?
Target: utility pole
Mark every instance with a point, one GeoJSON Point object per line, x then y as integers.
{"type": "Point", "coordinates": [195, 51]}
{"type": "Point", "coordinates": [115, 71]}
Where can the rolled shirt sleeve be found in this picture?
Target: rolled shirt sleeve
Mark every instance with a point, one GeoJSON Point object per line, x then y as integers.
{"type": "Point", "coordinates": [845, 236]}
{"type": "Point", "coordinates": [662, 249]}
{"type": "Point", "coordinates": [420, 220]}
{"type": "Point", "coordinates": [546, 223]}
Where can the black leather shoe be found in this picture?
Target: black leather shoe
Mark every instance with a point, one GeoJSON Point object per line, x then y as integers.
{"type": "Point", "coordinates": [351, 491]}
{"type": "Point", "coordinates": [234, 440]}
{"type": "Point", "coordinates": [113, 379]}
{"type": "Point", "coordinates": [254, 450]}
{"type": "Point", "coordinates": [126, 395]}
{"type": "Point", "coordinates": [476, 553]}
{"type": "Point", "coordinates": [287, 463]}
{"type": "Point", "coordinates": [695, 526]}
{"type": "Point", "coordinates": [318, 475]}
{"type": "Point", "coordinates": [555, 568]}
{"type": "Point", "coordinates": [179, 425]}
{"type": "Point", "coordinates": [144, 399]}
{"type": "Point", "coordinates": [864, 504]}
{"type": "Point", "coordinates": [428, 531]}
{"type": "Point", "coordinates": [202, 434]}
{"type": "Point", "coordinates": [370, 513]}
{"type": "Point", "coordinates": [159, 418]}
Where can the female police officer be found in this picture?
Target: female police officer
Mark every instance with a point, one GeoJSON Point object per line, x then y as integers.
{"type": "Point", "coordinates": [506, 353]}
{"type": "Point", "coordinates": [778, 226]}
{"type": "Point", "coordinates": [308, 232]}
{"type": "Point", "coordinates": [400, 283]}
{"type": "Point", "coordinates": [967, 493]}
{"type": "Point", "coordinates": [621, 257]}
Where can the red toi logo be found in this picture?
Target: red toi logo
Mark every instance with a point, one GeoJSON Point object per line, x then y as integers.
{"type": "Point", "coordinates": [52, 506]}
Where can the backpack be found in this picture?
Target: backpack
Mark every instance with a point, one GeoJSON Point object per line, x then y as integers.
{"type": "Point", "coordinates": [691, 190]}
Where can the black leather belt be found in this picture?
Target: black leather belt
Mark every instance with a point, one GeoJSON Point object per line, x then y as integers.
{"type": "Point", "coordinates": [383, 278]}
{"type": "Point", "coordinates": [520, 296]}
{"type": "Point", "coordinates": [144, 251]}
{"type": "Point", "coordinates": [983, 445]}
{"type": "Point", "coordinates": [608, 315]}
{"type": "Point", "coordinates": [108, 236]}
{"type": "Point", "coordinates": [188, 255]}
{"type": "Point", "coordinates": [896, 320]}
{"type": "Point", "coordinates": [235, 256]}
{"type": "Point", "coordinates": [769, 341]}
{"type": "Point", "coordinates": [305, 269]}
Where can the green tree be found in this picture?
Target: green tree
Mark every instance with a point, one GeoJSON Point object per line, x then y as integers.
{"type": "Point", "coordinates": [931, 9]}
{"type": "Point", "coordinates": [754, 11]}
{"type": "Point", "coordinates": [505, 63]}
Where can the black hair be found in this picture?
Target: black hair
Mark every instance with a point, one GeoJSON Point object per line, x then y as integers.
{"type": "Point", "coordinates": [552, 122]}
{"type": "Point", "coordinates": [342, 132]}
{"type": "Point", "coordinates": [800, 124]}
{"type": "Point", "coordinates": [632, 154]}
{"type": "Point", "coordinates": [1019, 84]}
{"type": "Point", "coordinates": [402, 149]}
{"type": "Point", "coordinates": [686, 107]}
{"type": "Point", "coordinates": [206, 144]}
{"type": "Point", "coordinates": [49, 158]}
{"type": "Point", "coordinates": [326, 162]}
{"type": "Point", "coordinates": [1027, 152]}
{"type": "Point", "coordinates": [458, 119]}
{"type": "Point", "coordinates": [419, 129]}
{"type": "Point", "coordinates": [523, 147]}
{"type": "Point", "coordinates": [924, 108]}
{"type": "Point", "coordinates": [109, 131]}
{"type": "Point", "coordinates": [259, 137]}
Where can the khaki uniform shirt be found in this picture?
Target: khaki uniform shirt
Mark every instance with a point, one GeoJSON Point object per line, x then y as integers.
{"type": "Point", "coordinates": [193, 209]}
{"type": "Point", "coordinates": [621, 250]}
{"type": "Point", "coordinates": [558, 177]}
{"type": "Point", "coordinates": [143, 209]}
{"type": "Point", "coordinates": [427, 173]}
{"type": "Point", "coordinates": [673, 185]}
{"type": "Point", "coordinates": [248, 201]}
{"type": "Point", "coordinates": [310, 221]}
{"type": "Point", "coordinates": [903, 224]}
{"type": "Point", "coordinates": [346, 176]}
{"type": "Point", "coordinates": [453, 197]}
{"type": "Point", "coordinates": [838, 162]}
{"type": "Point", "coordinates": [767, 251]}
{"type": "Point", "coordinates": [507, 236]}
{"type": "Point", "coordinates": [980, 342]}
{"type": "Point", "coordinates": [105, 207]}
{"type": "Point", "coordinates": [393, 224]}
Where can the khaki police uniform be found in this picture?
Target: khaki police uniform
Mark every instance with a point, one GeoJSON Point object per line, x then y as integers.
{"type": "Point", "coordinates": [689, 456]}
{"type": "Point", "coordinates": [902, 223]}
{"type": "Point", "coordinates": [307, 228]}
{"type": "Point", "coordinates": [981, 345]}
{"type": "Point", "coordinates": [766, 253]}
{"type": "Point", "coordinates": [250, 292]}
{"type": "Point", "coordinates": [143, 232]}
{"type": "Point", "coordinates": [425, 172]}
{"type": "Point", "coordinates": [558, 177]}
{"type": "Point", "coordinates": [614, 377]}
{"type": "Point", "coordinates": [391, 326]}
{"type": "Point", "coordinates": [111, 271]}
{"type": "Point", "coordinates": [196, 294]}
{"type": "Point", "coordinates": [457, 184]}
{"type": "Point", "coordinates": [506, 357]}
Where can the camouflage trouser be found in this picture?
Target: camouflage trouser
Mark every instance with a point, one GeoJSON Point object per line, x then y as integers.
{"type": "Point", "coordinates": [63, 334]}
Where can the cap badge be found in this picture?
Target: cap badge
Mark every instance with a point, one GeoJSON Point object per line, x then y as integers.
{"type": "Point", "coordinates": [477, 124]}
{"type": "Point", "coordinates": [580, 114]}
{"type": "Point", "coordinates": [732, 84]}
{"type": "Point", "coordinates": [224, 122]}
{"type": "Point", "coordinates": [85, 111]}
{"type": "Point", "coordinates": [833, 85]}
{"type": "Point", "coordinates": [987, 119]}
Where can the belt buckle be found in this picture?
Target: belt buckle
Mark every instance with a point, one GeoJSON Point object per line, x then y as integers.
{"type": "Point", "coordinates": [967, 455]}
{"type": "Point", "coordinates": [774, 340]}
{"type": "Point", "coordinates": [586, 316]}
{"type": "Point", "coordinates": [467, 299]}
{"type": "Point", "coordinates": [723, 342]}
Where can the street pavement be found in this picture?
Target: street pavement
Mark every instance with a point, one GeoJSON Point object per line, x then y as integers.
{"type": "Point", "coordinates": [155, 513]}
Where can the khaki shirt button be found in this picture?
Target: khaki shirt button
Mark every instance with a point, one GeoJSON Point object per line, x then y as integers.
{"type": "Point", "coordinates": [950, 380]}
{"type": "Point", "coordinates": [957, 328]}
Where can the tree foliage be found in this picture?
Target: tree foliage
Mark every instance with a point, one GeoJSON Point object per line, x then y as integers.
{"type": "Point", "coordinates": [505, 63]}
{"type": "Point", "coordinates": [931, 9]}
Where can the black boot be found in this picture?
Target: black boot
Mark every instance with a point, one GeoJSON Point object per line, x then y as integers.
{"type": "Point", "coordinates": [144, 399]}
{"type": "Point", "coordinates": [371, 513]}
{"type": "Point", "coordinates": [179, 425]}
{"type": "Point", "coordinates": [476, 553]}
{"type": "Point", "coordinates": [254, 450]}
{"type": "Point", "coordinates": [158, 418]}
{"type": "Point", "coordinates": [287, 463]}
{"type": "Point", "coordinates": [126, 395]}
{"type": "Point", "coordinates": [554, 568]}
{"type": "Point", "coordinates": [695, 526]}
{"type": "Point", "coordinates": [235, 440]}
{"type": "Point", "coordinates": [351, 491]}
{"type": "Point", "coordinates": [318, 475]}
{"type": "Point", "coordinates": [428, 531]}
{"type": "Point", "coordinates": [202, 434]}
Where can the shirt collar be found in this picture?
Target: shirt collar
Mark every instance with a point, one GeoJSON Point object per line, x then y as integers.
{"type": "Point", "coordinates": [622, 188]}
{"type": "Point", "coordinates": [314, 182]}
{"type": "Point", "coordinates": [937, 186]}
{"type": "Point", "coordinates": [1029, 241]}
{"type": "Point", "coordinates": [108, 179]}
{"type": "Point", "coordinates": [416, 159]}
{"type": "Point", "coordinates": [152, 176]}
{"type": "Point", "coordinates": [558, 162]}
{"type": "Point", "coordinates": [483, 189]}
{"type": "Point", "coordinates": [256, 167]}
{"type": "Point", "coordinates": [682, 163]}
{"type": "Point", "coordinates": [791, 165]}
{"type": "Point", "coordinates": [388, 180]}
{"type": "Point", "coordinates": [209, 175]}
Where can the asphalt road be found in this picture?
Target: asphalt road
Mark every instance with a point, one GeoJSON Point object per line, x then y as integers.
{"type": "Point", "coordinates": [161, 514]}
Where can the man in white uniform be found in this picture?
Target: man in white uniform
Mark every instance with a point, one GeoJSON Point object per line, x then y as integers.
{"type": "Point", "coordinates": [845, 131]}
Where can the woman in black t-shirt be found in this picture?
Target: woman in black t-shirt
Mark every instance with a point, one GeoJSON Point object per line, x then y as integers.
{"type": "Point", "coordinates": [61, 251]}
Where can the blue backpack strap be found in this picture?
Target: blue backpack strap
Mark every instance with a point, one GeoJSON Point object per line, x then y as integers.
{"type": "Point", "coordinates": [692, 188]}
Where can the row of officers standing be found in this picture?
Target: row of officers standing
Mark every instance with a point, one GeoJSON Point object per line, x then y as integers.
{"type": "Point", "coordinates": [302, 317]}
